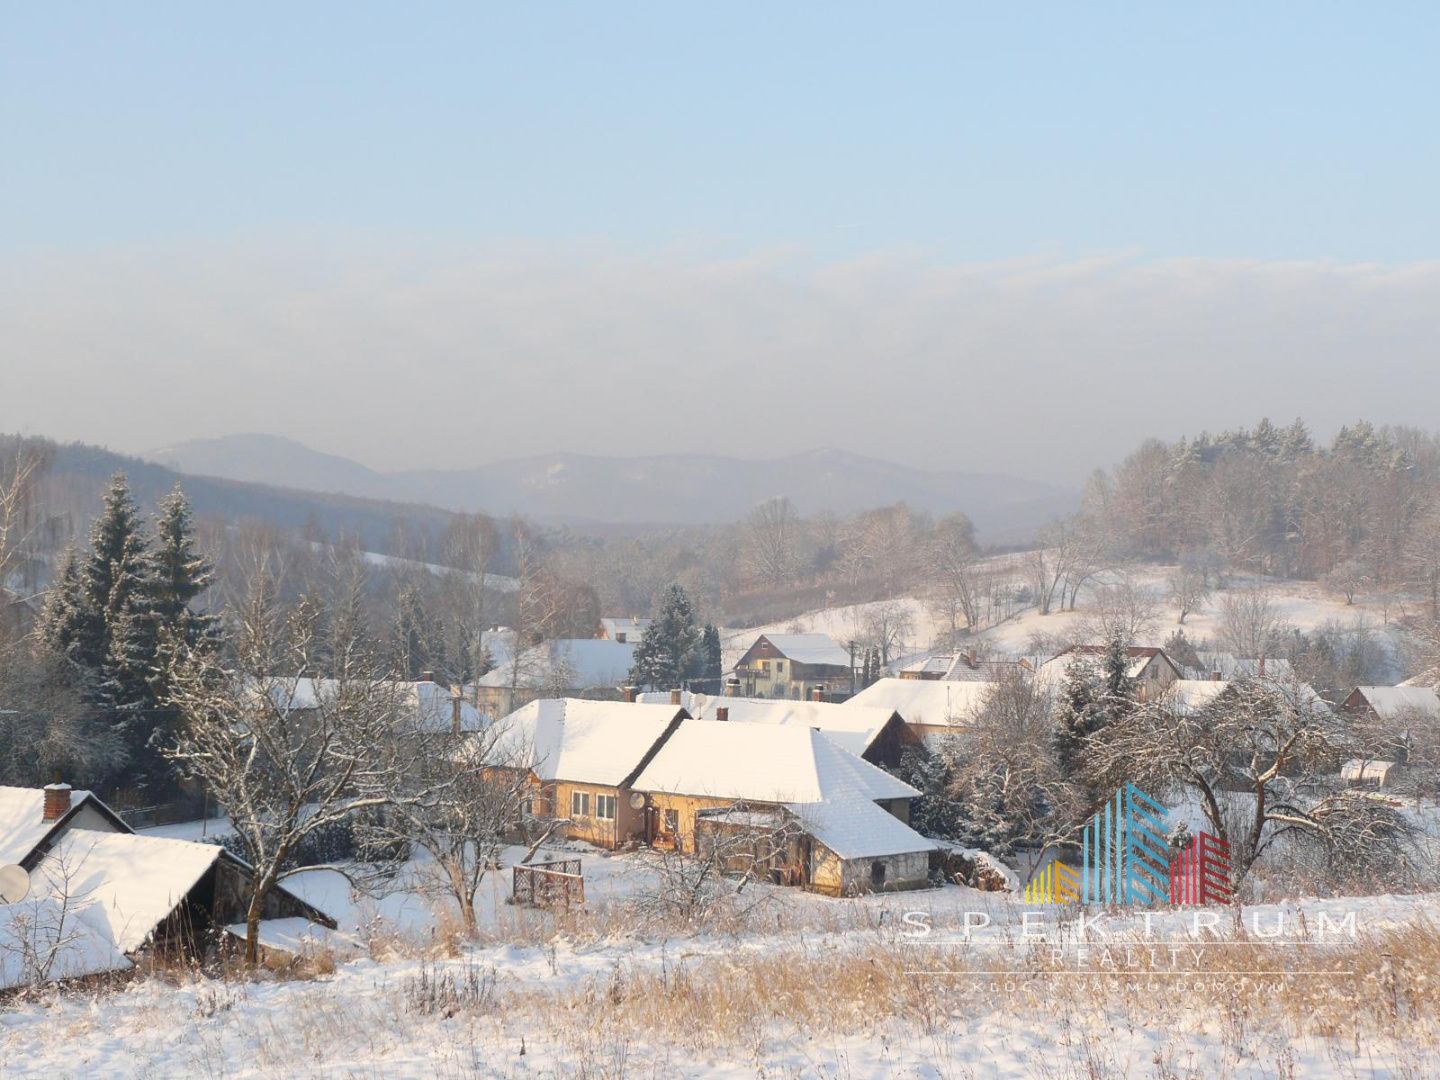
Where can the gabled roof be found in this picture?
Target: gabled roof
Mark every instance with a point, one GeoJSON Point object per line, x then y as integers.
{"type": "Point", "coordinates": [932, 702]}
{"type": "Point", "coordinates": [856, 829]}
{"type": "Point", "coordinates": [1140, 656]}
{"type": "Point", "coordinates": [763, 763]}
{"type": "Point", "coordinates": [22, 824]}
{"type": "Point", "coordinates": [566, 663]}
{"type": "Point", "coordinates": [435, 705]}
{"type": "Point", "coordinates": [1391, 701]}
{"type": "Point", "coordinates": [851, 727]}
{"type": "Point", "coordinates": [809, 648]}
{"type": "Point", "coordinates": [431, 703]}
{"type": "Point", "coordinates": [588, 742]}
{"type": "Point", "coordinates": [1231, 666]}
{"type": "Point", "coordinates": [133, 881]}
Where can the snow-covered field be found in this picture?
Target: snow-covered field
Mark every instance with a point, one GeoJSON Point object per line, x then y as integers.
{"type": "Point", "coordinates": [1302, 604]}
{"type": "Point", "coordinates": [803, 986]}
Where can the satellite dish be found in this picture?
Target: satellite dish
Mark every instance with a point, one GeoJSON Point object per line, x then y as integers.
{"type": "Point", "coordinates": [14, 884]}
{"type": "Point", "coordinates": [637, 801]}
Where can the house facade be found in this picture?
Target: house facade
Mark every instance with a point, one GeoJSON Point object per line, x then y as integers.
{"type": "Point", "coordinates": [793, 666]}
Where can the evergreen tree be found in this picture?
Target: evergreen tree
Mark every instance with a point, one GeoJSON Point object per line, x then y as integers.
{"type": "Point", "coordinates": [419, 637]}
{"type": "Point", "coordinates": [181, 575]}
{"type": "Point", "coordinates": [935, 813]}
{"type": "Point", "coordinates": [709, 656]}
{"type": "Point", "coordinates": [1080, 713]}
{"type": "Point", "coordinates": [665, 655]}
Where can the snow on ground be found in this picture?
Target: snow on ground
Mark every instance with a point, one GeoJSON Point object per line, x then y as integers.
{"type": "Point", "coordinates": [1302, 604]}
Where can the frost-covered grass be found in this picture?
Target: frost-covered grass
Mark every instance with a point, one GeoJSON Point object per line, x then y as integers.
{"type": "Point", "coordinates": [798, 986]}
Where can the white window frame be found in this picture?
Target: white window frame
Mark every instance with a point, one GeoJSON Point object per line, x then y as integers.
{"type": "Point", "coordinates": [579, 804]}
{"type": "Point", "coordinates": [602, 803]}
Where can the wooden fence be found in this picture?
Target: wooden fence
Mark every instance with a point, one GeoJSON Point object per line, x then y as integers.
{"type": "Point", "coordinates": [550, 884]}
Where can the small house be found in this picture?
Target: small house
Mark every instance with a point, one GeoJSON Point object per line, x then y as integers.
{"type": "Point", "coordinates": [930, 708]}
{"type": "Point", "coordinates": [793, 665]}
{"type": "Point", "coordinates": [623, 630]}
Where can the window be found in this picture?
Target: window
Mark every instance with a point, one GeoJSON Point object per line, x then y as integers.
{"type": "Point", "coordinates": [579, 804]}
{"type": "Point", "coordinates": [779, 668]}
{"type": "Point", "coordinates": [605, 807]}
{"type": "Point", "coordinates": [527, 808]}
{"type": "Point", "coordinates": [672, 821]}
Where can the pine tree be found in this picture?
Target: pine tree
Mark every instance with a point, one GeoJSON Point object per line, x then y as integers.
{"type": "Point", "coordinates": [709, 663]}
{"type": "Point", "coordinates": [1080, 713]}
{"type": "Point", "coordinates": [665, 654]}
{"type": "Point", "coordinates": [181, 575]}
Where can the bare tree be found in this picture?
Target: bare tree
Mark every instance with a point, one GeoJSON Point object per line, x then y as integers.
{"type": "Point", "coordinates": [284, 755]}
{"type": "Point", "coordinates": [774, 542]}
{"type": "Point", "coordinates": [953, 570]}
{"type": "Point", "coordinates": [1189, 587]}
{"type": "Point", "coordinates": [1348, 578]}
{"type": "Point", "coordinates": [43, 937]}
{"type": "Point", "coordinates": [1125, 611]}
{"type": "Point", "coordinates": [19, 518]}
{"type": "Point", "coordinates": [884, 626]}
{"type": "Point", "coordinates": [1250, 622]}
{"type": "Point", "coordinates": [1256, 742]}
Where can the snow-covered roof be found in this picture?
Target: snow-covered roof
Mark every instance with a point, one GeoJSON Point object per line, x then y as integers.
{"type": "Point", "coordinates": [1057, 668]}
{"type": "Point", "coordinates": [763, 763]}
{"type": "Point", "coordinates": [43, 940]}
{"type": "Point", "coordinates": [857, 829]}
{"type": "Point", "coordinates": [435, 706]}
{"type": "Point", "coordinates": [932, 702]}
{"type": "Point", "coordinates": [810, 648]}
{"type": "Point", "coordinates": [592, 742]}
{"type": "Point", "coordinates": [934, 664]}
{"type": "Point", "coordinates": [633, 628]}
{"type": "Point", "coordinates": [566, 664]}
{"type": "Point", "coordinates": [134, 881]}
{"type": "Point", "coordinates": [1189, 696]}
{"type": "Point", "coordinates": [431, 703]}
{"type": "Point", "coordinates": [22, 824]}
{"type": "Point", "coordinates": [1360, 769]}
{"type": "Point", "coordinates": [853, 728]}
{"type": "Point", "coordinates": [301, 937]}
{"type": "Point", "coordinates": [1231, 666]}
{"type": "Point", "coordinates": [1392, 701]}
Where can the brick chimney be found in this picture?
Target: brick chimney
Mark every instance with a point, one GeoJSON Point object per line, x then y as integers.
{"type": "Point", "coordinates": [427, 676]}
{"type": "Point", "coordinates": [1214, 676]}
{"type": "Point", "coordinates": [722, 713]}
{"type": "Point", "coordinates": [57, 801]}
{"type": "Point", "coordinates": [674, 697]}
{"type": "Point", "coordinates": [732, 687]}
{"type": "Point", "coordinates": [817, 693]}
{"type": "Point", "coordinates": [455, 710]}
{"type": "Point", "coordinates": [629, 693]}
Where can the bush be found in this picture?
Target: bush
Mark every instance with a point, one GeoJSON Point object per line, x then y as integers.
{"type": "Point", "coordinates": [342, 841]}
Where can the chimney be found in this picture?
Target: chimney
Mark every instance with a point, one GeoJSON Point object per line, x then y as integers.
{"type": "Point", "coordinates": [973, 658]}
{"type": "Point", "coordinates": [427, 676]}
{"type": "Point", "coordinates": [629, 693]}
{"type": "Point", "coordinates": [1214, 676]}
{"type": "Point", "coordinates": [674, 697]}
{"type": "Point", "coordinates": [732, 687]}
{"type": "Point", "coordinates": [817, 693]}
{"type": "Point", "coordinates": [722, 713]}
{"type": "Point", "coordinates": [455, 710]}
{"type": "Point", "coordinates": [57, 801]}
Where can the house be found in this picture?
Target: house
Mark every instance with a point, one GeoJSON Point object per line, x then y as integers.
{"type": "Point", "coordinates": [120, 892]}
{"type": "Point", "coordinates": [1150, 669]}
{"type": "Point", "coordinates": [1395, 708]}
{"type": "Point", "coordinates": [582, 757]}
{"type": "Point", "coordinates": [849, 818]}
{"type": "Point", "coordinates": [1188, 697]}
{"type": "Point", "coordinates": [623, 630]}
{"type": "Point", "coordinates": [877, 735]}
{"type": "Point", "coordinates": [564, 667]}
{"type": "Point", "coordinates": [792, 665]}
{"type": "Point", "coordinates": [432, 708]}
{"type": "Point", "coordinates": [930, 708]}
{"type": "Point", "coordinates": [966, 666]}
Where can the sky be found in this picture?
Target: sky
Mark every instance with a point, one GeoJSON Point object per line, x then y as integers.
{"type": "Point", "coordinates": [998, 237]}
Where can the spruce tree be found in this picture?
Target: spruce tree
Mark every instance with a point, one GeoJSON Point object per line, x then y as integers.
{"type": "Point", "coordinates": [181, 575]}
{"type": "Point", "coordinates": [709, 659]}
{"type": "Point", "coordinates": [665, 655]}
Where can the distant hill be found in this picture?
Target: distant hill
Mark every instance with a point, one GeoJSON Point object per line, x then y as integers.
{"type": "Point", "coordinates": [580, 489]}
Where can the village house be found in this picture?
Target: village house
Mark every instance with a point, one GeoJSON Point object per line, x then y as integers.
{"type": "Point", "coordinates": [1395, 707]}
{"type": "Point", "coordinates": [850, 831]}
{"type": "Point", "coordinates": [1149, 668]}
{"type": "Point", "coordinates": [564, 667]}
{"type": "Point", "coordinates": [582, 757]}
{"type": "Point", "coordinates": [792, 665]}
{"type": "Point", "coordinates": [931, 708]}
{"type": "Point", "coordinates": [968, 666]}
{"type": "Point", "coordinates": [122, 893]}
{"type": "Point", "coordinates": [431, 707]}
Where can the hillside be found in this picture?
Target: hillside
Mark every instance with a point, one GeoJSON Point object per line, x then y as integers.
{"type": "Point", "coordinates": [579, 489]}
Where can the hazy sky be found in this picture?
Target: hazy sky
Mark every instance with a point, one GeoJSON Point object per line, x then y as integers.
{"type": "Point", "coordinates": [948, 234]}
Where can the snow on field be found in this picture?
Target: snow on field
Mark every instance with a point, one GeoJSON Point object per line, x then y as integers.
{"type": "Point", "coordinates": [549, 1009]}
{"type": "Point", "coordinates": [1304, 605]}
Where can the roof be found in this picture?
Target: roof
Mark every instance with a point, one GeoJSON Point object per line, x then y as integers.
{"type": "Point", "coordinates": [809, 648]}
{"type": "Point", "coordinates": [856, 829]}
{"type": "Point", "coordinates": [592, 742]}
{"type": "Point", "coordinates": [22, 824]}
{"type": "Point", "coordinates": [633, 628]}
{"type": "Point", "coordinates": [763, 763]}
{"type": "Point", "coordinates": [932, 702]}
{"type": "Point", "coordinates": [1058, 667]}
{"type": "Point", "coordinates": [430, 701]}
{"type": "Point", "coordinates": [1189, 696]}
{"type": "Point", "coordinates": [1231, 666]}
{"type": "Point", "coordinates": [78, 943]}
{"type": "Point", "coordinates": [567, 664]}
{"type": "Point", "coordinates": [850, 727]}
{"type": "Point", "coordinates": [434, 707]}
{"type": "Point", "coordinates": [134, 882]}
{"type": "Point", "coordinates": [1360, 769]}
{"type": "Point", "coordinates": [936, 664]}
{"type": "Point", "coordinates": [1391, 701]}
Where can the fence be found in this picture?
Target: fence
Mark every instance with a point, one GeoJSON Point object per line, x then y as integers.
{"type": "Point", "coordinates": [550, 884]}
